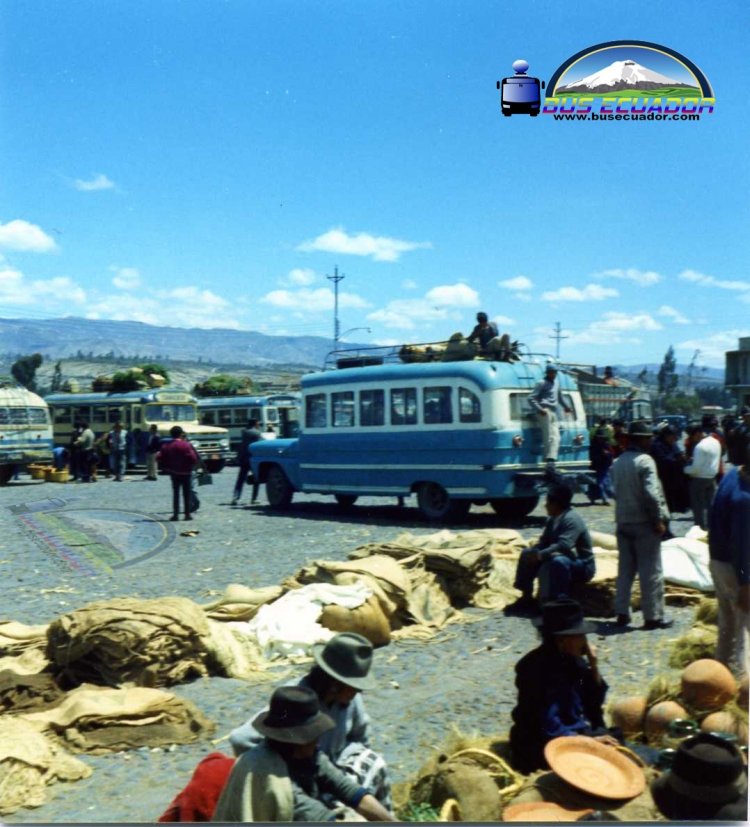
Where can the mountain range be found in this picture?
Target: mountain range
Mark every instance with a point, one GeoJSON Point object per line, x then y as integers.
{"type": "Point", "coordinates": [622, 74]}
{"type": "Point", "coordinates": [69, 337]}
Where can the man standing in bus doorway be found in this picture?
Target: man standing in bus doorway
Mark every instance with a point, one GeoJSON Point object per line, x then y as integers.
{"type": "Point", "coordinates": [118, 447]}
{"type": "Point", "coordinates": [545, 399]}
{"type": "Point", "coordinates": [179, 460]}
{"type": "Point", "coordinates": [250, 433]}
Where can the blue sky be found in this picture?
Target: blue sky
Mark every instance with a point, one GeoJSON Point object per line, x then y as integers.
{"type": "Point", "coordinates": [209, 163]}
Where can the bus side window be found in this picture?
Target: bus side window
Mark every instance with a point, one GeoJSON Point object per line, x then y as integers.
{"type": "Point", "coordinates": [404, 406]}
{"type": "Point", "coordinates": [570, 405]}
{"type": "Point", "coordinates": [4, 416]}
{"type": "Point", "coordinates": [519, 406]}
{"type": "Point", "coordinates": [114, 415]}
{"type": "Point", "coordinates": [225, 417]}
{"type": "Point", "coordinates": [342, 409]}
{"type": "Point", "coordinates": [372, 407]}
{"type": "Point", "coordinates": [62, 414]}
{"type": "Point", "coordinates": [99, 416]}
{"type": "Point", "coordinates": [208, 417]}
{"type": "Point", "coordinates": [437, 406]}
{"type": "Point", "coordinates": [315, 411]}
{"type": "Point", "coordinates": [82, 414]}
{"type": "Point", "coordinates": [272, 415]}
{"type": "Point", "coordinates": [469, 407]}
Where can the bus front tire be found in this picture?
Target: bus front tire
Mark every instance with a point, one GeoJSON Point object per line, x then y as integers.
{"type": "Point", "coordinates": [214, 466]}
{"type": "Point", "coordinates": [514, 508]}
{"type": "Point", "coordinates": [435, 502]}
{"type": "Point", "coordinates": [346, 500]}
{"type": "Point", "coordinates": [6, 474]}
{"type": "Point", "coordinates": [279, 490]}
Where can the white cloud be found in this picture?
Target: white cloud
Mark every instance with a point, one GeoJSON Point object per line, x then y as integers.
{"type": "Point", "coordinates": [613, 328]}
{"type": "Point", "coordinates": [409, 284]}
{"type": "Point", "coordinates": [126, 278]}
{"type": "Point", "coordinates": [25, 237]}
{"type": "Point", "coordinates": [404, 314]}
{"type": "Point", "coordinates": [519, 283]}
{"type": "Point", "coordinates": [318, 300]}
{"type": "Point", "coordinates": [713, 347]}
{"type": "Point", "coordinates": [710, 281]}
{"type": "Point", "coordinates": [47, 294]}
{"type": "Point", "coordinates": [642, 277]}
{"type": "Point", "coordinates": [301, 277]}
{"type": "Point", "coordinates": [453, 295]}
{"type": "Point", "coordinates": [591, 292]}
{"type": "Point", "coordinates": [503, 321]}
{"type": "Point", "coordinates": [98, 182]}
{"type": "Point", "coordinates": [670, 313]}
{"type": "Point", "coordinates": [379, 248]}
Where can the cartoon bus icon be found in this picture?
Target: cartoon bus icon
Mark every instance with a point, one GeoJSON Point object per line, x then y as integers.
{"type": "Point", "coordinates": [520, 94]}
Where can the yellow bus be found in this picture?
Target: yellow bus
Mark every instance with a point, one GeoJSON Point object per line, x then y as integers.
{"type": "Point", "coordinates": [137, 411]}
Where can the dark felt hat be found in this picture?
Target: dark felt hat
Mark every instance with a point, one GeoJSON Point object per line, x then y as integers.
{"type": "Point", "coordinates": [294, 716]}
{"type": "Point", "coordinates": [563, 617]}
{"type": "Point", "coordinates": [708, 780]}
{"type": "Point", "coordinates": [348, 658]}
{"type": "Point", "coordinates": [639, 428]}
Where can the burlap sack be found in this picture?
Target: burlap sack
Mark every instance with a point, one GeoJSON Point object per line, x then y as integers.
{"type": "Point", "coordinates": [471, 786]}
{"type": "Point", "coordinates": [367, 620]}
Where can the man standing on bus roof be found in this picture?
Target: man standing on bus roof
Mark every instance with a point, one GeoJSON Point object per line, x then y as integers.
{"type": "Point", "coordinates": [484, 331]}
{"type": "Point", "coordinates": [250, 433]}
{"type": "Point", "coordinates": [545, 399]}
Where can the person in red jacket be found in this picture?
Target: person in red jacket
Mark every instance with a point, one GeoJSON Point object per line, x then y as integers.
{"type": "Point", "coordinates": [179, 458]}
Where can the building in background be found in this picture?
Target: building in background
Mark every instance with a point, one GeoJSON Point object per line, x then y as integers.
{"type": "Point", "coordinates": [737, 372]}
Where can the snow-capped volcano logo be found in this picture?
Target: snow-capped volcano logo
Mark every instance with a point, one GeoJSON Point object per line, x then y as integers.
{"type": "Point", "coordinates": [625, 75]}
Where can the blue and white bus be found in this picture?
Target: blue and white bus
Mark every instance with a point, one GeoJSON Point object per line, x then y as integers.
{"type": "Point", "coordinates": [277, 411]}
{"type": "Point", "coordinates": [453, 433]}
{"type": "Point", "coordinates": [25, 430]}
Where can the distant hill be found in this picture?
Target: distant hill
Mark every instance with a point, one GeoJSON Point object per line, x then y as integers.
{"type": "Point", "coordinates": [71, 337]}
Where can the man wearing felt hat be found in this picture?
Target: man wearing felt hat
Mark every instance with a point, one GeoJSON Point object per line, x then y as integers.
{"type": "Point", "coordinates": [286, 777]}
{"type": "Point", "coordinates": [341, 672]}
{"type": "Point", "coordinates": [707, 782]}
{"type": "Point", "coordinates": [642, 517]}
{"type": "Point", "coordinates": [560, 690]}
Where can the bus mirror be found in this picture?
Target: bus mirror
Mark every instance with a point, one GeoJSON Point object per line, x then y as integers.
{"type": "Point", "coordinates": [542, 84]}
{"type": "Point", "coordinates": [498, 84]}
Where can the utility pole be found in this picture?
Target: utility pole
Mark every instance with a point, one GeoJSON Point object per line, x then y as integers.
{"type": "Point", "coordinates": [336, 278]}
{"type": "Point", "coordinates": [557, 336]}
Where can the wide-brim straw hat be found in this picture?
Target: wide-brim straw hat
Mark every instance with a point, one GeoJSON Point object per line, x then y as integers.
{"type": "Point", "coordinates": [293, 717]}
{"type": "Point", "coordinates": [640, 428]}
{"type": "Point", "coordinates": [595, 768]}
{"type": "Point", "coordinates": [347, 657]}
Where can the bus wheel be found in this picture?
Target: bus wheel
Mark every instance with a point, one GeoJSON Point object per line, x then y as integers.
{"type": "Point", "coordinates": [513, 508]}
{"type": "Point", "coordinates": [213, 466]}
{"type": "Point", "coordinates": [346, 500]}
{"type": "Point", "coordinates": [433, 501]}
{"type": "Point", "coordinates": [6, 474]}
{"type": "Point", "coordinates": [279, 490]}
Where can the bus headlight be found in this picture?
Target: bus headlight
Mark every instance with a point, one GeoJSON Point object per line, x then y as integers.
{"type": "Point", "coordinates": [224, 443]}
{"type": "Point", "coordinates": [517, 441]}
{"type": "Point", "coordinates": [578, 439]}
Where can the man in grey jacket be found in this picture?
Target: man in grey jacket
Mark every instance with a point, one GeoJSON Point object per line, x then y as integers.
{"type": "Point", "coordinates": [562, 556]}
{"type": "Point", "coordinates": [546, 399]}
{"type": "Point", "coordinates": [641, 515]}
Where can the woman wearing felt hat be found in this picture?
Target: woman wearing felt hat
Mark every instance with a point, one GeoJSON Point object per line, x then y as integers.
{"type": "Point", "coordinates": [285, 777]}
{"type": "Point", "coordinates": [560, 690]}
{"type": "Point", "coordinates": [707, 782]}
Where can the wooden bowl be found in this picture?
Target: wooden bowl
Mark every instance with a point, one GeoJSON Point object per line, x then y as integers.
{"type": "Point", "coordinates": [595, 768]}
{"type": "Point", "coordinates": [541, 811]}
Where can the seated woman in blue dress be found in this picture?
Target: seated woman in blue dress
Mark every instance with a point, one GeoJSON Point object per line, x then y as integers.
{"type": "Point", "coordinates": [560, 690]}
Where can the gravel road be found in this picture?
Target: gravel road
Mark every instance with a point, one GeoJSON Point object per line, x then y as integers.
{"type": "Point", "coordinates": [464, 676]}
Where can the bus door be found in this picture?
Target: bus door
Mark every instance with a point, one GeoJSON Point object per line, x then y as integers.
{"type": "Point", "coordinates": [288, 423]}
{"type": "Point", "coordinates": [139, 437]}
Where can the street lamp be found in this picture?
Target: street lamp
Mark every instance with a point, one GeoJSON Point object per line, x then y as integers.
{"type": "Point", "coordinates": [352, 330]}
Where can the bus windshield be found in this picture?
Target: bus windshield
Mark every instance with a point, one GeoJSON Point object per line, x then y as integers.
{"type": "Point", "coordinates": [170, 413]}
{"type": "Point", "coordinates": [521, 90]}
